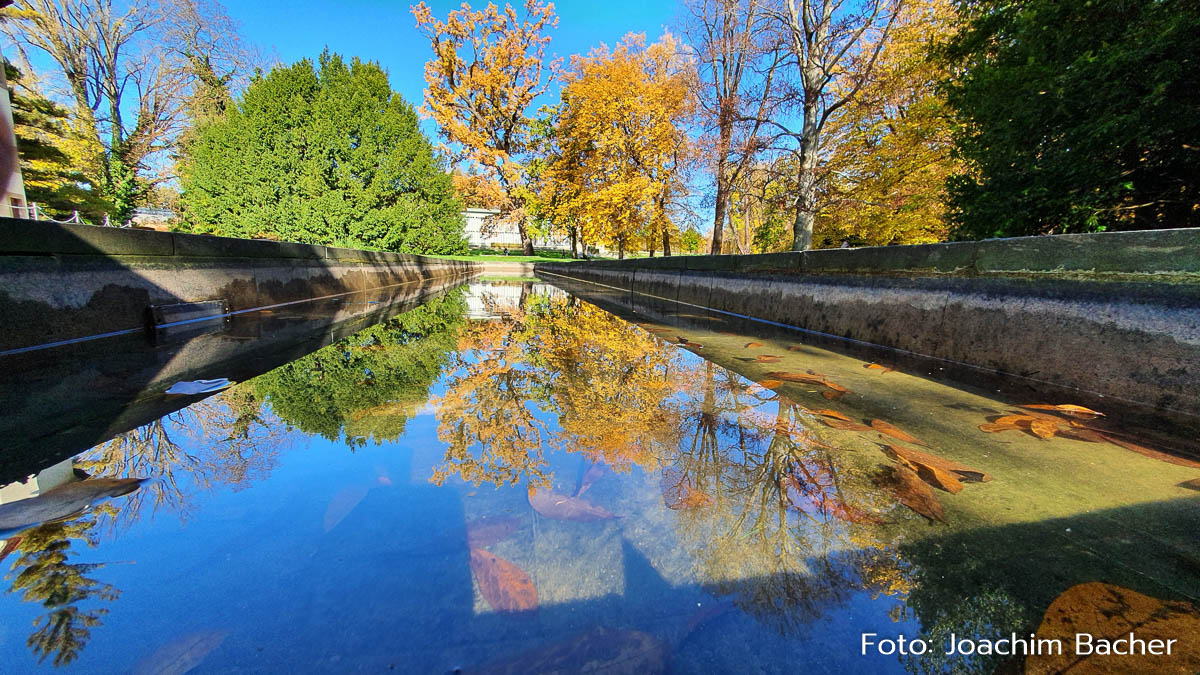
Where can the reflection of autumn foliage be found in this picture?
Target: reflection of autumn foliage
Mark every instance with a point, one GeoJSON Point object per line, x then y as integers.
{"type": "Point", "coordinates": [44, 574]}
{"type": "Point", "coordinates": [606, 383]}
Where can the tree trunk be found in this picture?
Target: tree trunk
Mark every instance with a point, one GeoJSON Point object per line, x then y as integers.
{"type": "Point", "coordinates": [724, 136]}
{"type": "Point", "coordinates": [806, 183]}
{"type": "Point", "coordinates": [526, 241]}
{"type": "Point", "coordinates": [666, 242]}
{"type": "Point", "coordinates": [574, 247]}
{"type": "Point", "coordinates": [719, 211]}
{"type": "Point", "coordinates": [620, 249]}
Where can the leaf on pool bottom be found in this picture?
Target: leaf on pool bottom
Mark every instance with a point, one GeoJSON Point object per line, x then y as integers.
{"type": "Point", "coordinates": [1108, 612]}
{"type": "Point", "coordinates": [895, 432]}
{"type": "Point", "coordinates": [931, 472]}
{"type": "Point", "coordinates": [182, 654]}
{"type": "Point", "coordinates": [1193, 484]}
{"type": "Point", "coordinates": [483, 532]}
{"type": "Point", "coordinates": [876, 366]}
{"type": "Point", "coordinates": [770, 384]}
{"type": "Point", "coordinates": [767, 358]}
{"type": "Point", "coordinates": [908, 489]}
{"type": "Point", "coordinates": [961, 471]}
{"type": "Point", "coordinates": [561, 507]}
{"type": "Point", "coordinates": [506, 587]}
{"type": "Point", "coordinates": [830, 395]}
{"type": "Point", "coordinates": [752, 345]}
{"type": "Point", "coordinates": [796, 348]}
{"type": "Point", "coordinates": [593, 474]}
{"type": "Point", "coordinates": [343, 503]}
{"type": "Point", "coordinates": [600, 650]}
{"type": "Point", "coordinates": [832, 413]}
{"type": "Point", "coordinates": [1043, 429]}
{"type": "Point", "coordinates": [1076, 410]}
{"type": "Point", "coordinates": [845, 425]}
{"type": "Point", "coordinates": [678, 493]}
{"type": "Point", "coordinates": [787, 376]}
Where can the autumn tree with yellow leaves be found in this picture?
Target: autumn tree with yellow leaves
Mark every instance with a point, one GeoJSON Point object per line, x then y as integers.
{"type": "Point", "coordinates": [488, 66]}
{"type": "Point", "coordinates": [622, 149]}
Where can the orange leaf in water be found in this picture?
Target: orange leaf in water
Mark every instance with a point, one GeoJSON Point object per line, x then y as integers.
{"type": "Point", "coordinates": [943, 480]}
{"type": "Point", "coordinates": [796, 377]}
{"type": "Point", "coordinates": [1151, 453]}
{"type": "Point", "coordinates": [845, 425]}
{"type": "Point", "coordinates": [835, 386]}
{"type": "Point", "coordinates": [506, 587]}
{"type": "Point", "coordinates": [796, 348]}
{"type": "Point", "coordinates": [1077, 410]}
{"type": "Point", "coordinates": [1077, 434]}
{"type": "Point", "coordinates": [992, 428]}
{"type": "Point", "coordinates": [694, 345]}
{"type": "Point", "coordinates": [1108, 613]}
{"type": "Point", "coordinates": [1019, 421]}
{"type": "Point", "coordinates": [767, 358]}
{"type": "Point", "coordinates": [770, 384]}
{"type": "Point", "coordinates": [832, 413]}
{"type": "Point", "coordinates": [895, 432]}
{"type": "Point", "coordinates": [961, 471]}
{"type": "Point", "coordinates": [911, 491]}
{"type": "Point", "coordinates": [752, 345]}
{"type": "Point", "coordinates": [876, 366]}
{"type": "Point", "coordinates": [1043, 429]}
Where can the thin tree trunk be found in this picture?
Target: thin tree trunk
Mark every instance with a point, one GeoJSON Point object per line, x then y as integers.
{"type": "Point", "coordinates": [666, 242]}
{"type": "Point", "coordinates": [806, 182]}
{"type": "Point", "coordinates": [574, 247]}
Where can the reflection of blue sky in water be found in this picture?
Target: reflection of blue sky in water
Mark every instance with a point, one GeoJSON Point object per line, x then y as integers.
{"type": "Point", "coordinates": [261, 576]}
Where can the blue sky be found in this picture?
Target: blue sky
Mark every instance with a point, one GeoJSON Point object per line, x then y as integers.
{"type": "Point", "coordinates": [384, 31]}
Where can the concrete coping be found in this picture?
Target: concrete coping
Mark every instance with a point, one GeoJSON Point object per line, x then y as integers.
{"type": "Point", "coordinates": [31, 237]}
{"type": "Point", "coordinates": [1169, 255]}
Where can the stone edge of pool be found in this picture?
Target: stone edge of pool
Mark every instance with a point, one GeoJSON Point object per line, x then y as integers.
{"type": "Point", "coordinates": [1111, 314]}
{"type": "Point", "coordinates": [63, 282]}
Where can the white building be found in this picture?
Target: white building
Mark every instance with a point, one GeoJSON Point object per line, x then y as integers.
{"type": "Point", "coordinates": [484, 230]}
{"type": "Point", "coordinates": [12, 200]}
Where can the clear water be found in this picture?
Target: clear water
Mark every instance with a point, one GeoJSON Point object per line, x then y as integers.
{"type": "Point", "coordinates": [366, 508]}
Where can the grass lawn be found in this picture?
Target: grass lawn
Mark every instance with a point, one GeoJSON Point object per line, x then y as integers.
{"type": "Point", "coordinates": [504, 258]}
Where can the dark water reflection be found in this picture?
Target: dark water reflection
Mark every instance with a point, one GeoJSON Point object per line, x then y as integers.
{"type": "Point", "coordinates": [509, 476]}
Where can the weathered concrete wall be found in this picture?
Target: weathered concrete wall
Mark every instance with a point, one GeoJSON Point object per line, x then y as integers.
{"type": "Point", "coordinates": [63, 282]}
{"type": "Point", "coordinates": [1114, 314]}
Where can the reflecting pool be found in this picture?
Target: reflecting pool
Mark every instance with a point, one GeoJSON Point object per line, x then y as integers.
{"type": "Point", "coordinates": [529, 477]}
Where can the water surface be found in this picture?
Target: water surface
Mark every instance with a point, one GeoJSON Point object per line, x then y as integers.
{"type": "Point", "coordinates": [513, 477]}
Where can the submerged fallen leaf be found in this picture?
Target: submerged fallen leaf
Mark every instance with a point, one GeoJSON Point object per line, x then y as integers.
{"type": "Point", "coordinates": [908, 489]}
{"type": "Point", "coordinates": [876, 366]}
{"type": "Point", "coordinates": [1107, 613]}
{"type": "Point", "coordinates": [1150, 452]}
{"type": "Point", "coordinates": [1043, 429]}
{"type": "Point", "coordinates": [506, 587]}
{"type": "Point", "coordinates": [961, 471]}
{"type": "Point", "coordinates": [930, 472]}
{"type": "Point", "coordinates": [752, 345]}
{"type": "Point", "coordinates": [795, 377]}
{"type": "Point", "coordinates": [1077, 410]}
{"type": "Point", "coordinates": [483, 532]}
{"type": "Point", "coordinates": [593, 474]}
{"type": "Point", "coordinates": [182, 654]}
{"type": "Point", "coordinates": [767, 358]}
{"type": "Point", "coordinates": [832, 395]}
{"type": "Point", "coordinates": [600, 650]}
{"type": "Point", "coordinates": [1193, 484]}
{"type": "Point", "coordinates": [992, 427]}
{"type": "Point", "coordinates": [832, 413]}
{"type": "Point", "coordinates": [796, 348]}
{"type": "Point", "coordinates": [769, 384]}
{"type": "Point", "coordinates": [63, 501]}
{"type": "Point", "coordinates": [694, 345]}
{"type": "Point", "coordinates": [845, 425]}
{"type": "Point", "coordinates": [342, 503]}
{"type": "Point", "coordinates": [895, 432]}
{"type": "Point", "coordinates": [562, 507]}
{"type": "Point", "coordinates": [1077, 434]}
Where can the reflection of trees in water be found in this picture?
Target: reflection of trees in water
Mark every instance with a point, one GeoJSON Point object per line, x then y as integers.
{"type": "Point", "coordinates": [43, 574]}
{"type": "Point", "coordinates": [604, 383]}
{"type": "Point", "coordinates": [775, 519]}
{"type": "Point", "coordinates": [370, 383]}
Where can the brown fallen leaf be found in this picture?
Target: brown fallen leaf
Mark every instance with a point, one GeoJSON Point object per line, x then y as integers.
{"type": "Point", "coordinates": [1107, 613]}
{"type": "Point", "coordinates": [1078, 434]}
{"type": "Point", "coordinates": [600, 650]}
{"type": "Point", "coordinates": [796, 348]}
{"type": "Point", "coordinates": [961, 471]}
{"type": "Point", "coordinates": [787, 376]}
{"type": "Point", "coordinates": [895, 432]}
{"type": "Point", "coordinates": [767, 358]}
{"type": "Point", "coordinates": [1151, 453]}
{"type": "Point", "coordinates": [561, 507]}
{"type": "Point", "coordinates": [992, 427]}
{"type": "Point", "coordinates": [483, 532]}
{"type": "Point", "coordinates": [769, 384]}
{"type": "Point", "coordinates": [832, 413]}
{"type": "Point", "coordinates": [1043, 429]}
{"type": "Point", "coordinates": [506, 587]}
{"type": "Point", "coordinates": [1068, 408]}
{"type": "Point", "coordinates": [907, 487]}
{"type": "Point", "coordinates": [752, 345]}
{"type": "Point", "coordinates": [830, 395]}
{"type": "Point", "coordinates": [1193, 484]}
{"type": "Point", "coordinates": [943, 480]}
{"type": "Point", "coordinates": [845, 425]}
{"type": "Point", "coordinates": [1020, 421]}
{"type": "Point", "coordinates": [834, 386]}
{"type": "Point", "coordinates": [876, 366]}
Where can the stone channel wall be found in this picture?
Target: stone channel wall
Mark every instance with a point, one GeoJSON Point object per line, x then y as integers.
{"type": "Point", "coordinates": [65, 282]}
{"type": "Point", "coordinates": [1113, 315]}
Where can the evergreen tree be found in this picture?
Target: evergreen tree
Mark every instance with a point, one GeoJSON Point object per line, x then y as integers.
{"type": "Point", "coordinates": [1079, 115]}
{"type": "Point", "coordinates": [324, 154]}
{"type": "Point", "coordinates": [44, 143]}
